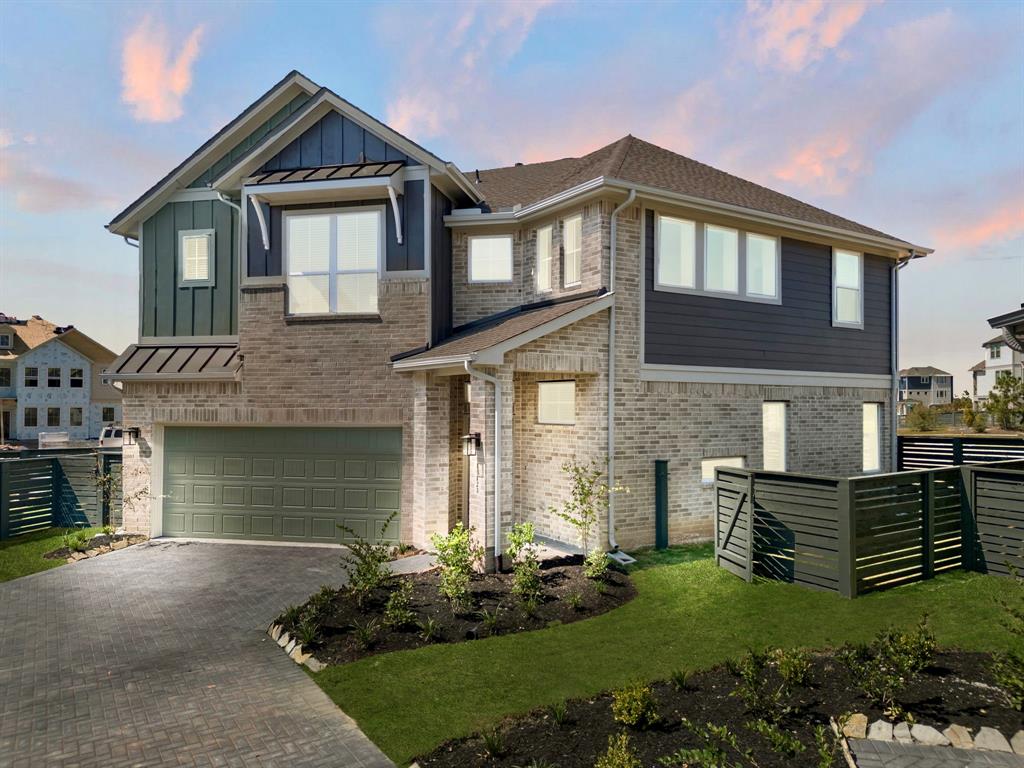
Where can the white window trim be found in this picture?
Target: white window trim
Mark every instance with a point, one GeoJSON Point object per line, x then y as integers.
{"type": "Point", "coordinates": [6, 340]}
{"type": "Point", "coordinates": [710, 483]}
{"type": "Point", "coordinates": [59, 377]}
{"type": "Point", "coordinates": [60, 415]}
{"type": "Point", "coordinates": [551, 259]}
{"type": "Point", "coordinates": [211, 280]}
{"type": "Point", "coordinates": [700, 260]}
{"type": "Point", "coordinates": [72, 377]}
{"type": "Point", "coordinates": [332, 264]}
{"type": "Point", "coordinates": [469, 259]}
{"type": "Point", "coordinates": [785, 434]}
{"type": "Point", "coordinates": [565, 272]}
{"type": "Point", "coordinates": [835, 291]}
{"type": "Point", "coordinates": [25, 377]}
{"type": "Point", "coordinates": [741, 272]}
{"type": "Point", "coordinates": [557, 422]}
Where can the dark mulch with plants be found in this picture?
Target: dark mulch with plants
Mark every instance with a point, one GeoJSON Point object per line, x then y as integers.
{"type": "Point", "coordinates": [568, 596]}
{"type": "Point", "coordinates": [100, 541]}
{"type": "Point", "coordinates": [955, 687]}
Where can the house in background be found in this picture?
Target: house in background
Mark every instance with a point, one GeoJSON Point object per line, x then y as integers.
{"type": "Point", "coordinates": [1000, 357]}
{"type": "Point", "coordinates": [927, 385]}
{"type": "Point", "coordinates": [50, 381]}
{"type": "Point", "coordinates": [337, 325]}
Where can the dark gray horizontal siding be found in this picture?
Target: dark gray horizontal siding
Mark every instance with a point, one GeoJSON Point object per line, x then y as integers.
{"type": "Point", "coordinates": [409, 256]}
{"type": "Point", "coordinates": [170, 310]}
{"type": "Point", "coordinates": [687, 329]}
{"type": "Point", "coordinates": [333, 140]}
{"type": "Point", "coordinates": [225, 161]}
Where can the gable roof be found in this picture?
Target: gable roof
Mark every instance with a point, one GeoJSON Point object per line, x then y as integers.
{"type": "Point", "coordinates": [506, 330]}
{"type": "Point", "coordinates": [926, 370]}
{"type": "Point", "coordinates": [35, 332]}
{"type": "Point", "coordinates": [978, 366]}
{"type": "Point", "coordinates": [636, 161]}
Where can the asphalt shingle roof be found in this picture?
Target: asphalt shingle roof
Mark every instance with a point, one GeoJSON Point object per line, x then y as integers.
{"type": "Point", "coordinates": [926, 370]}
{"type": "Point", "coordinates": [634, 160]}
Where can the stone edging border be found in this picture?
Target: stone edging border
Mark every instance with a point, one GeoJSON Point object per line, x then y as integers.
{"type": "Point", "coordinates": [104, 549]}
{"type": "Point", "coordinates": [293, 648]}
{"type": "Point", "coordinates": [957, 736]}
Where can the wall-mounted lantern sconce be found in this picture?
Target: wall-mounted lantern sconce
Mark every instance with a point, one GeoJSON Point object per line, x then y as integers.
{"type": "Point", "coordinates": [130, 435]}
{"type": "Point", "coordinates": [470, 444]}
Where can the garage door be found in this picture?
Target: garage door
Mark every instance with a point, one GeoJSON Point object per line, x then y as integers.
{"type": "Point", "coordinates": [283, 484]}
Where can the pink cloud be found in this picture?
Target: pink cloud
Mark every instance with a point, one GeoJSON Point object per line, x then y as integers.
{"type": "Point", "coordinates": [38, 191]}
{"type": "Point", "coordinates": [789, 35]}
{"type": "Point", "coordinates": [828, 163]}
{"type": "Point", "coordinates": [999, 225]}
{"type": "Point", "coordinates": [154, 80]}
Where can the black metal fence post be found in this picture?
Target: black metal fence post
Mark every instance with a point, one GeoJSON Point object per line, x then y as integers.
{"type": "Point", "coordinates": [660, 504]}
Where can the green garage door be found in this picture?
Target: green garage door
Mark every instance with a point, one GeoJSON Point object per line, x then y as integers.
{"type": "Point", "coordinates": [280, 483]}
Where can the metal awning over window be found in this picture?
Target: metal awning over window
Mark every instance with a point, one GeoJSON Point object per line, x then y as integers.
{"type": "Point", "coordinates": [327, 173]}
{"type": "Point", "coordinates": [169, 362]}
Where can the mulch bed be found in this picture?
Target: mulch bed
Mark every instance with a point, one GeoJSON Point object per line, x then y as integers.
{"type": "Point", "coordinates": [99, 544]}
{"type": "Point", "coordinates": [490, 592]}
{"type": "Point", "coordinates": [944, 693]}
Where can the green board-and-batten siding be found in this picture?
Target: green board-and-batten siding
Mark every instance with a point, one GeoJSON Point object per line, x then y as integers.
{"type": "Point", "coordinates": [281, 483]}
{"type": "Point", "coordinates": [168, 309]}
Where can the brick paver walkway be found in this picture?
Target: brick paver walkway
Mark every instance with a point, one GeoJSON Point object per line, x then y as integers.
{"type": "Point", "coordinates": [890, 754]}
{"type": "Point", "coordinates": [157, 655]}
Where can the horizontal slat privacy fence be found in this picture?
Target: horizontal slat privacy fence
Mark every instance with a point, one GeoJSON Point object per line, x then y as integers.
{"type": "Point", "coordinates": [58, 491]}
{"type": "Point", "coordinates": [933, 452]}
{"type": "Point", "coordinates": [861, 534]}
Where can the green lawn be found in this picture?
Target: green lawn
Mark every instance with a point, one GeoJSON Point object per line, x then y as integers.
{"type": "Point", "coordinates": [23, 555]}
{"type": "Point", "coordinates": [688, 615]}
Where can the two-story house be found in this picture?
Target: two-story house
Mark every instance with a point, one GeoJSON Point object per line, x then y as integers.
{"type": "Point", "coordinates": [924, 384]}
{"type": "Point", "coordinates": [50, 381]}
{"type": "Point", "coordinates": [1000, 357]}
{"type": "Point", "coordinates": [337, 325]}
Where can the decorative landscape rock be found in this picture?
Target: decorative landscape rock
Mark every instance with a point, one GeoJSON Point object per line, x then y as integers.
{"type": "Point", "coordinates": [880, 730]}
{"type": "Point", "coordinates": [313, 664]}
{"type": "Point", "coordinates": [856, 726]}
{"type": "Point", "coordinates": [284, 639]}
{"type": "Point", "coordinates": [100, 544]}
{"type": "Point", "coordinates": [275, 632]}
{"type": "Point", "coordinates": [925, 734]}
{"type": "Point", "coordinates": [1017, 742]}
{"type": "Point", "coordinates": [291, 644]}
{"type": "Point", "coordinates": [959, 737]}
{"type": "Point", "coordinates": [902, 733]}
{"type": "Point", "coordinates": [990, 738]}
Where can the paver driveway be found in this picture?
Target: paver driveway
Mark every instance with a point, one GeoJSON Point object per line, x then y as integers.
{"type": "Point", "coordinates": [157, 655]}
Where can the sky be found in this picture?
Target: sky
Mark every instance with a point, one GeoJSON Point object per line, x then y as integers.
{"type": "Point", "coordinates": [905, 116]}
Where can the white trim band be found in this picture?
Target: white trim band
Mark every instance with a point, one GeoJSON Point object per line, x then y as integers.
{"type": "Point", "coordinates": [775, 377]}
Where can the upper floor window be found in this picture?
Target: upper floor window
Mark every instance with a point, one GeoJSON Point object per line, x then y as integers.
{"type": "Point", "coordinates": [735, 264]}
{"type": "Point", "coordinates": [333, 261]}
{"type": "Point", "coordinates": [995, 353]}
{"type": "Point", "coordinates": [544, 259]}
{"type": "Point", "coordinates": [53, 377]}
{"type": "Point", "coordinates": [847, 288]}
{"type": "Point", "coordinates": [76, 378]}
{"type": "Point", "coordinates": [5, 341]}
{"type": "Point", "coordinates": [196, 257]}
{"type": "Point", "coordinates": [675, 252]}
{"type": "Point", "coordinates": [31, 377]}
{"type": "Point", "coordinates": [5, 377]}
{"type": "Point", "coordinates": [572, 251]}
{"type": "Point", "coordinates": [490, 259]}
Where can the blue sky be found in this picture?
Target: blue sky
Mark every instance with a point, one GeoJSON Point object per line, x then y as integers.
{"type": "Point", "coordinates": [908, 117]}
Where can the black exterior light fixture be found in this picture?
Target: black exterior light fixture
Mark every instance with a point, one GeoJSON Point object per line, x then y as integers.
{"type": "Point", "coordinates": [470, 444]}
{"type": "Point", "coordinates": [130, 435]}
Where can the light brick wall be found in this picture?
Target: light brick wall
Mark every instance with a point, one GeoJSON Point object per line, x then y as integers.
{"type": "Point", "coordinates": [471, 301]}
{"type": "Point", "coordinates": [322, 373]}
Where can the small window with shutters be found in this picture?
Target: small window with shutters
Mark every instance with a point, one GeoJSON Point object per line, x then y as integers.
{"type": "Point", "coordinates": [196, 257]}
{"type": "Point", "coordinates": [773, 421]}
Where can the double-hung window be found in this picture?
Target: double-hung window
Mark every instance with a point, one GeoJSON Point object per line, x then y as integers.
{"type": "Point", "coordinates": [31, 376]}
{"type": "Point", "coordinates": [333, 262]}
{"type": "Point", "coordinates": [195, 257]}
{"type": "Point", "coordinates": [544, 259]}
{"type": "Point", "coordinates": [995, 352]}
{"type": "Point", "coordinates": [490, 259]}
{"type": "Point", "coordinates": [556, 402]}
{"type": "Point", "coordinates": [872, 436]}
{"type": "Point", "coordinates": [53, 417]}
{"type": "Point", "coordinates": [773, 419]}
{"type": "Point", "coordinates": [53, 377]}
{"type": "Point", "coordinates": [30, 418]}
{"type": "Point", "coordinates": [847, 289]}
{"type": "Point", "coordinates": [76, 378]}
{"type": "Point", "coordinates": [572, 251]}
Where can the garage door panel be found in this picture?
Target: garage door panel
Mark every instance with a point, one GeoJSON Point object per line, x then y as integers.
{"type": "Point", "coordinates": [281, 483]}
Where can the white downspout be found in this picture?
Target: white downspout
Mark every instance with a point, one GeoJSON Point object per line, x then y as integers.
{"type": "Point", "coordinates": [894, 346]}
{"type": "Point", "coordinates": [612, 543]}
{"type": "Point", "coordinates": [497, 457]}
{"type": "Point", "coordinates": [228, 201]}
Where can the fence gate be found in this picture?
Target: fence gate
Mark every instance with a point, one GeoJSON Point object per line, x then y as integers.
{"type": "Point", "coordinates": [733, 535]}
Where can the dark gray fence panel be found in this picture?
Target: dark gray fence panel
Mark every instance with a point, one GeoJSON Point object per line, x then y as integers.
{"type": "Point", "coordinates": [998, 498]}
{"type": "Point", "coordinates": [923, 452]}
{"type": "Point", "coordinates": [732, 521]}
{"type": "Point", "coordinates": [27, 488]}
{"type": "Point", "coordinates": [77, 501]}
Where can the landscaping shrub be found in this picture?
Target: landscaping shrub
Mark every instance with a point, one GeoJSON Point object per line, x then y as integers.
{"type": "Point", "coordinates": [1008, 668]}
{"type": "Point", "coordinates": [979, 423]}
{"type": "Point", "coordinates": [780, 742]}
{"type": "Point", "coordinates": [635, 706]}
{"type": "Point", "coordinates": [680, 679]}
{"type": "Point", "coordinates": [794, 666]}
{"type": "Point", "coordinates": [718, 743]}
{"type": "Point", "coordinates": [494, 744]}
{"type": "Point", "coordinates": [457, 558]}
{"type": "Point", "coordinates": [364, 562]}
{"type": "Point", "coordinates": [575, 601]}
{"type": "Point", "coordinates": [397, 613]}
{"type": "Point", "coordinates": [1006, 401]}
{"type": "Point", "coordinates": [489, 619]}
{"type": "Point", "coordinates": [290, 617]}
{"type": "Point", "coordinates": [883, 668]}
{"type": "Point", "coordinates": [526, 583]}
{"type": "Point", "coordinates": [430, 630]}
{"type": "Point", "coordinates": [765, 697]}
{"type": "Point", "coordinates": [589, 496]}
{"type": "Point", "coordinates": [366, 633]}
{"type": "Point", "coordinates": [596, 565]}
{"type": "Point", "coordinates": [307, 632]}
{"type": "Point", "coordinates": [922, 418]}
{"type": "Point", "coordinates": [620, 753]}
